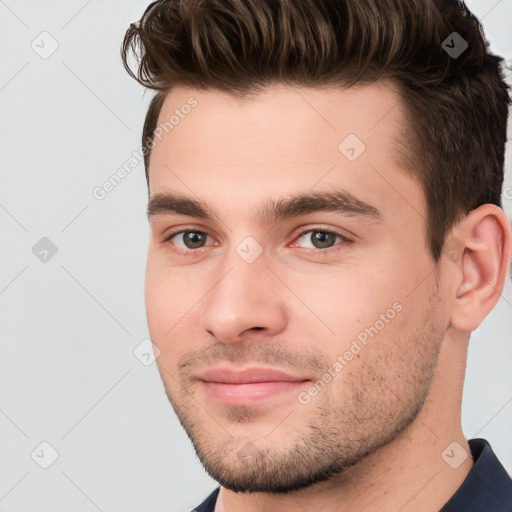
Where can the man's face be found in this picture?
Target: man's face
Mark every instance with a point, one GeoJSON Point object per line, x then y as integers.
{"type": "Point", "coordinates": [291, 345]}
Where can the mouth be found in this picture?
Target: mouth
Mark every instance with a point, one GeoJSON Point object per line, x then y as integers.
{"type": "Point", "coordinates": [248, 386]}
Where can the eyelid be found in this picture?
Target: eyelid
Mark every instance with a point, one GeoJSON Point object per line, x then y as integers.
{"type": "Point", "coordinates": [323, 229]}
{"type": "Point", "coordinates": [320, 229]}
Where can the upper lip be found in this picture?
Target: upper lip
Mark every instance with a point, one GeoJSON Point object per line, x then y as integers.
{"type": "Point", "coordinates": [248, 375]}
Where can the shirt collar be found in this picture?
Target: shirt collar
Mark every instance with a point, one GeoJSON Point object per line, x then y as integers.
{"type": "Point", "coordinates": [487, 485]}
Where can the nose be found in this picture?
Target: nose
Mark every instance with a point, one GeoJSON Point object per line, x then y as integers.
{"type": "Point", "coordinates": [245, 297]}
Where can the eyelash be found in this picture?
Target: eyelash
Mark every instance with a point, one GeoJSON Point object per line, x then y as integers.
{"type": "Point", "coordinates": [315, 252]}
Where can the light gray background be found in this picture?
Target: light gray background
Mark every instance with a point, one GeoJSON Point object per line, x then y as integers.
{"type": "Point", "coordinates": [68, 375]}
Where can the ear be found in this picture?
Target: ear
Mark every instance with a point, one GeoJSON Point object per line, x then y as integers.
{"type": "Point", "coordinates": [480, 247]}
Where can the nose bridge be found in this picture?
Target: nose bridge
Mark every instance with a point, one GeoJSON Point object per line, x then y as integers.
{"type": "Point", "coordinates": [244, 296]}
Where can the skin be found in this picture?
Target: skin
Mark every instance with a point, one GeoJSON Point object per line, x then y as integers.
{"type": "Point", "coordinates": [373, 437]}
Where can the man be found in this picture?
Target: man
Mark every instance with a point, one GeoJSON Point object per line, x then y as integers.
{"type": "Point", "coordinates": [326, 232]}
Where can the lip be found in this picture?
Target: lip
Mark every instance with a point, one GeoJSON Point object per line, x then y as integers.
{"type": "Point", "coordinates": [248, 386]}
{"type": "Point", "coordinates": [248, 375]}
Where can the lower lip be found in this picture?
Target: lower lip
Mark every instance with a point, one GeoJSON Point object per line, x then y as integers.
{"type": "Point", "coordinates": [250, 393]}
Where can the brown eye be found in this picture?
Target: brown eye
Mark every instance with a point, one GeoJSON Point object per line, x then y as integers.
{"type": "Point", "coordinates": [320, 238]}
{"type": "Point", "coordinates": [193, 239]}
{"type": "Point", "coordinates": [189, 239]}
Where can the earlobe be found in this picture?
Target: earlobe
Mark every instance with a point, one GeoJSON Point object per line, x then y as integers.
{"type": "Point", "coordinates": [483, 241]}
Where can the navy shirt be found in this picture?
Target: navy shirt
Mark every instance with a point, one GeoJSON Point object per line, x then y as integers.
{"type": "Point", "coordinates": [487, 487]}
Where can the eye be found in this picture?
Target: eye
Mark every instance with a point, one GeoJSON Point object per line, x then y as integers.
{"type": "Point", "coordinates": [320, 239]}
{"type": "Point", "coordinates": [189, 242]}
{"type": "Point", "coordinates": [186, 240]}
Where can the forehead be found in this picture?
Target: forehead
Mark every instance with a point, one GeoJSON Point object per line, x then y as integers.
{"type": "Point", "coordinates": [284, 139]}
{"type": "Point", "coordinates": [281, 113]}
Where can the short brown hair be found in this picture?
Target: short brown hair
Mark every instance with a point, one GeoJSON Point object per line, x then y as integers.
{"type": "Point", "coordinates": [456, 106]}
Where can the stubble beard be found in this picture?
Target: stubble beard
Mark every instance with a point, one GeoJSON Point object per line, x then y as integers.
{"type": "Point", "coordinates": [337, 435]}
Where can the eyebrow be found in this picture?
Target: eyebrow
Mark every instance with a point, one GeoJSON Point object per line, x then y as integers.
{"type": "Point", "coordinates": [337, 201]}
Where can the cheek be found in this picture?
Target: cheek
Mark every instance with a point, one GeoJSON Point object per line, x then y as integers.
{"type": "Point", "coordinates": [170, 297]}
{"type": "Point", "coordinates": [350, 300]}
{"type": "Point", "coordinates": [165, 297]}
{"type": "Point", "coordinates": [362, 308]}
{"type": "Point", "coordinates": [156, 297]}
{"type": "Point", "coordinates": [162, 315]}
